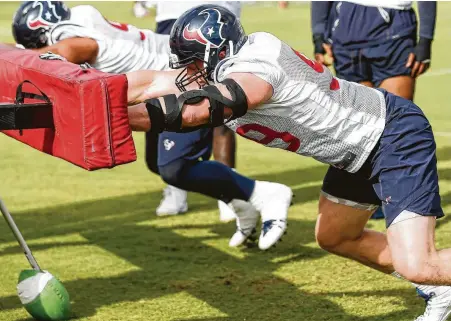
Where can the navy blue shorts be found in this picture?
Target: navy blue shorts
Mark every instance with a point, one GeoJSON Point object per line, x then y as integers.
{"type": "Point", "coordinates": [375, 63]}
{"type": "Point", "coordinates": [401, 173]}
{"type": "Point", "coordinates": [188, 146]}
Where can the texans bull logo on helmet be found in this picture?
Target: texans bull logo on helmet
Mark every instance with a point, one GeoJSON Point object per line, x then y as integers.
{"type": "Point", "coordinates": [208, 32]}
{"type": "Point", "coordinates": [47, 15]}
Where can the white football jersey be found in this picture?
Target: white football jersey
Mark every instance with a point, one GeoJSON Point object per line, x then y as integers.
{"type": "Point", "coordinates": [122, 47]}
{"type": "Point", "coordinates": [311, 112]}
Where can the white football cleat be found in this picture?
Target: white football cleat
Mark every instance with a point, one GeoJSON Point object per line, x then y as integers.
{"type": "Point", "coordinates": [246, 221]}
{"type": "Point", "coordinates": [438, 303]}
{"type": "Point", "coordinates": [272, 200]}
{"type": "Point", "coordinates": [226, 212]}
{"type": "Point", "coordinates": [173, 202]}
{"type": "Point", "coordinates": [272, 232]}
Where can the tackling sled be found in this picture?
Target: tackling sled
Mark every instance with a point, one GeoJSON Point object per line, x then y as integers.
{"type": "Point", "coordinates": [64, 110]}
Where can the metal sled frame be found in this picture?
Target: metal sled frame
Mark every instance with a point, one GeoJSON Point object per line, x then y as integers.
{"type": "Point", "coordinates": [19, 115]}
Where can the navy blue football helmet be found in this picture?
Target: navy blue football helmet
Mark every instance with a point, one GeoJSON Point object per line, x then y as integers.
{"type": "Point", "coordinates": [33, 20]}
{"type": "Point", "coordinates": [209, 33]}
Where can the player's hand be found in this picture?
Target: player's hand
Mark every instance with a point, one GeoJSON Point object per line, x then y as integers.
{"type": "Point", "coordinates": [420, 59]}
{"type": "Point", "coordinates": [322, 50]}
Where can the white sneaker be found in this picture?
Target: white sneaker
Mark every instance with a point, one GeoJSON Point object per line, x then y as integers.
{"type": "Point", "coordinates": [272, 200]}
{"type": "Point", "coordinates": [173, 202]}
{"type": "Point", "coordinates": [226, 212]}
{"type": "Point", "coordinates": [246, 221]}
{"type": "Point", "coordinates": [139, 9]}
{"type": "Point", "coordinates": [438, 303]}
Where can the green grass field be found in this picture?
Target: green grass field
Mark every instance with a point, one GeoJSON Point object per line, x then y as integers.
{"type": "Point", "coordinates": [98, 233]}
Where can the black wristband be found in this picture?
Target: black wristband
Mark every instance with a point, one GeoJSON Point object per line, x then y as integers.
{"type": "Point", "coordinates": [173, 115]}
{"type": "Point", "coordinates": [318, 41]}
{"type": "Point", "coordinates": [423, 50]}
{"type": "Point", "coordinates": [156, 115]}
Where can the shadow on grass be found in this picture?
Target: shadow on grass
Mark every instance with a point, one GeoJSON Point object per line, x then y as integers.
{"type": "Point", "coordinates": [170, 263]}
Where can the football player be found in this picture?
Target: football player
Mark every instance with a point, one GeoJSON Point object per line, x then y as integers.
{"type": "Point", "coordinates": [380, 147]}
{"type": "Point", "coordinates": [373, 45]}
{"type": "Point", "coordinates": [82, 35]}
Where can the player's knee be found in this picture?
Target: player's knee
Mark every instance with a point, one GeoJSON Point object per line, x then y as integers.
{"type": "Point", "coordinates": [330, 244]}
{"type": "Point", "coordinates": [327, 241]}
{"type": "Point", "coordinates": [412, 270]}
{"type": "Point", "coordinates": [172, 173]}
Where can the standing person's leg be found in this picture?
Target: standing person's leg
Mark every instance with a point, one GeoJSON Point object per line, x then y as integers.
{"type": "Point", "coordinates": [224, 148]}
{"type": "Point", "coordinates": [388, 63]}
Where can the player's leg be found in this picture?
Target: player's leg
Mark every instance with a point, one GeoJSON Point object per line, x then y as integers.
{"type": "Point", "coordinates": [224, 146]}
{"type": "Point", "coordinates": [351, 65]}
{"type": "Point", "coordinates": [224, 152]}
{"type": "Point", "coordinates": [346, 203]}
{"type": "Point", "coordinates": [151, 151]}
{"type": "Point", "coordinates": [415, 257]}
{"type": "Point", "coordinates": [403, 86]}
{"type": "Point", "coordinates": [174, 199]}
{"type": "Point", "coordinates": [406, 167]}
{"type": "Point", "coordinates": [412, 245]}
{"type": "Point", "coordinates": [176, 152]}
{"type": "Point", "coordinates": [388, 64]}
{"type": "Point", "coordinates": [340, 229]}
{"type": "Point", "coordinates": [180, 166]}
{"type": "Point", "coordinates": [367, 83]}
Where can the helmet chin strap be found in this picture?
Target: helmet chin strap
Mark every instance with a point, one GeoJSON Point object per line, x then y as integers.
{"type": "Point", "coordinates": [207, 55]}
{"type": "Point", "coordinates": [231, 55]}
{"type": "Point", "coordinates": [231, 49]}
{"type": "Point", "coordinates": [208, 49]}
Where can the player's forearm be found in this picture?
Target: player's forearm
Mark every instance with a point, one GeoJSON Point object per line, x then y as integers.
{"type": "Point", "coordinates": [427, 11]}
{"type": "Point", "coordinates": [138, 82]}
{"type": "Point", "coordinates": [191, 116]}
{"type": "Point", "coordinates": [319, 13]}
{"type": "Point", "coordinates": [198, 114]}
{"type": "Point", "coordinates": [139, 119]}
{"type": "Point", "coordinates": [147, 84]}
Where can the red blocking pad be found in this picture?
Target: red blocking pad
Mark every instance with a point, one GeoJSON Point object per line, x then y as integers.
{"type": "Point", "coordinates": [90, 117]}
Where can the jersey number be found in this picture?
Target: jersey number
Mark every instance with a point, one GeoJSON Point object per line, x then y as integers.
{"type": "Point", "coordinates": [269, 136]}
{"type": "Point", "coordinates": [334, 84]}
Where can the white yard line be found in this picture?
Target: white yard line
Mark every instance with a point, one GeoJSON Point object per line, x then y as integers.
{"type": "Point", "coordinates": [438, 72]}
{"type": "Point", "coordinates": [442, 134]}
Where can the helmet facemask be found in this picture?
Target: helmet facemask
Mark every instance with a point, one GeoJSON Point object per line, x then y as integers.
{"type": "Point", "coordinates": [202, 76]}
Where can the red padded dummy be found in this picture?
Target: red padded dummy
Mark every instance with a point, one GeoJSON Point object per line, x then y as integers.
{"type": "Point", "coordinates": [90, 117]}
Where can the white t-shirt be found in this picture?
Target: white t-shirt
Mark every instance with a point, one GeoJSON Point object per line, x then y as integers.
{"type": "Point", "coordinates": [122, 47]}
{"type": "Point", "coordinates": [311, 112]}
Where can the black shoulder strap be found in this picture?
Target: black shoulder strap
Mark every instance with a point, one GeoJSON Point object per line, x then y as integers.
{"type": "Point", "coordinates": [21, 95]}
